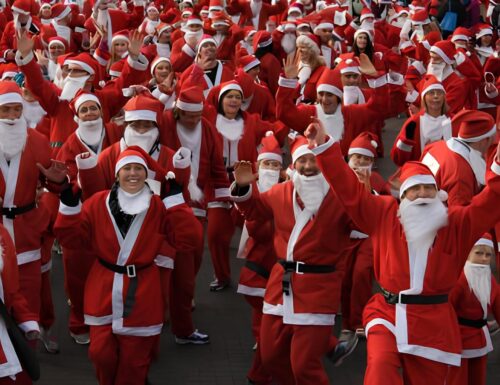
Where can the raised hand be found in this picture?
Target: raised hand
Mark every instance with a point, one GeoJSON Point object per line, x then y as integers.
{"type": "Point", "coordinates": [291, 66]}
{"type": "Point", "coordinates": [25, 44]}
{"type": "Point", "coordinates": [315, 133]}
{"type": "Point", "coordinates": [243, 174]}
{"type": "Point", "coordinates": [57, 171]}
{"type": "Point", "coordinates": [167, 85]}
{"type": "Point", "coordinates": [135, 45]}
{"type": "Point", "coordinates": [41, 58]}
{"type": "Point", "coordinates": [366, 66]}
{"type": "Point", "coordinates": [363, 175]}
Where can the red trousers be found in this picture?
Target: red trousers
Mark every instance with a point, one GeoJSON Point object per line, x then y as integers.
{"type": "Point", "coordinates": [292, 354]}
{"type": "Point", "coordinates": [472, 371]}
{"type": "Point", "coordinates": [220, 230]}
{"type": "Point", "coordinates": [47, 315]}
{"type": "Point", "coordinates": [21, 379]}
{"type": "Point", "coordinates": [30, 283]}
{"type": "Point", "coordinates": [385, 365]}
{"type": "Point", "coordinates": [77, 264]}
{"type": "Point", "coordinates": [357, 284]}
{"type": "Point", "coordinates": [119, 359]}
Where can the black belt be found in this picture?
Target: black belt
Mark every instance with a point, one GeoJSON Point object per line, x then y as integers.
{"type": "Point", "coordinates": [256, 268]}
{"type": "Point", "coordinates": [473, 323]}
{"type": "Point", "coordinates": [394, 298]}
{"type": "Point", "coordinates": [12, 212]}
{"type": "Point", "coordinates": [301, 268]}
{"type": "Point", "coordinates": [131, 272]}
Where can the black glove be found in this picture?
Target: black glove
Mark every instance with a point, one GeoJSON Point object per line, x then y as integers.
{"type": "Point", "coordinates": [174, 187]}
{"type": "Point", "coordinates": [69, 198]}
{"type": "Point", "coordinates": [410, 130]}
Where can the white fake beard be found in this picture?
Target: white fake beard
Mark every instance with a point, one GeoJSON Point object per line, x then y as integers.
{"type": "Point", "coordinates": [13, 133]}
{"type": "Point", "coordinates": [144, 141]}
{"type": "Point", "coordinates": [102, 17]}
{"type": "Point", "coordinates": [62, 31]}
{"type": "Point", "coordinates": [368, 25]}
{"type": "Point", "coordinates": [71, 86]}
{"type": "Point", "coordinates": [437, 70]}
{"type": "Point", "coordinates": [288, 42]}
{"type": "Point", "coordinates": [33, 113]}
{"type": "Point", "coordinates": [311, 189]}
{"type": "Point", "coordinates": [354, 167]}
{"type": "Point", "coordinates": [305, 72]}
{"type": "Point", "coordinates": [350, 96]}
{"type": "Point", "coordinates": [267, 178]}
{"type": "Point", "coordinates": [197, 34]}
{"type": "Point", "coordinates": [399, 22]}
{"type": "Point", "coordinates": [90, 131]}
{"type": "Point", "coordinates": [151, 26]}
{"type": "Point", "coordinates": [421, 219]}
{"type": "Point", "coordinates": [133, 204]}
{"type": "Point", "coordinates": [479, 279]}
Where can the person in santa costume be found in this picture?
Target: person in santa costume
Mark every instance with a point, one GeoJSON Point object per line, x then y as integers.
{"type": "Point", "coordinates": [256, 247]}
{"type": "Point", "coordinates": [57, 46]}
{"type": "Point", "coordinates": [255, 13]}
{"type": "Point", "coordinates": [270, 66]}
{"type": "Point", "coordinates": [420, 247]}
{"type": "Point", "coordinates": [431, 124]}
{"type": "Point", "coordinates": [61, 22]}
{"type": "Point", "coordinates": [324, 30]}
{"type": "Point", "coordinates": [163, 80]}
{"type": "Point", "coordinates": [475, 296]}
{"type": "Point", "coordinates": [151, 21]}
{"type": "Point", "coordinates": [130, 231]}
{"type": "Point", "coordinates": [119, 47]}
{"type": "Point", "coordinates": [459, 164]}
{"type": "Point", "coordinates": [484, 37]}
{"type": "Point", "coordinates": [11, 371]}
{"type": "Point", "coordinates": [227, 35]}
{"type": "Point", "coordinates": [184, 49]}
{"type": "Point", "coordinates": [343, 122]}
{"type": "Point", "coordinates": [303, 290]}
{"type": "Point", "coordinates": [239, 133]}
{"type": "Point", "coordinates": [45, 13]}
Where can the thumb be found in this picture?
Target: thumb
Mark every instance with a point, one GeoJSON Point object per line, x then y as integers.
{"type": "Point", "coordinates": [41, 168]}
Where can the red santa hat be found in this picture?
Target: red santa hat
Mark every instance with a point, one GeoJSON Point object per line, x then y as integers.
{"type": "Point", "coordinates": [414, 173]}
{"type": "Point", "coordinates": [8, 70]}
{"type": "Point", "coordinates": [329, 81]}
{"type": "Point", "coordinates": [430, 39]}
{"type": "Point", "coordinates": [22, 7]}
{"type": "Point", "coordinates": [188, 12]}
{"type": "Point", "coordinates": [359, 31]}
{"type": "Point", "coordinates": [446, 50]}
{"type": "Point", "coordinates": [45, 5]}
{"type": "Point", "coordinates": [190, 99]}
{"type": "Point", "coordinates": [116, 68]}
{"type": "Point", "coordinates": [398, 11]}
{"type": "Point", "coordinates": [461, 33]}
{"type": "Point", "coordinates": [204, 40]}
{"type": "Point", "coordinates": [135, 154]}
{"type": "Point", "coordinates": [58, 40]}
{"type": "Point", "coordinates": [365, 14]}
{"type": "Point", "coordinates": [420, 18]}
{"type": "Point", "coordinates": [152, 7]}
{"type": "Point", "coordinates": [215, 5]}
{"type": "Point", "coordinates": [310, 40]}
{"type": "Point", "coordinates": [82, 97]}
{"type": "Point", "coordinates": [483, 30]}
{"type": "Point", "coordinates": [485, 240]}
{"type": "Point", "coordinates": [10, 93]}
{"type": "Point", "coordinates": [262, 39]}
{"type": "Point", "coordinates": [162, 27]}
{"type": "Point", "coordinates": [193, 20]}
{"type": "Point", "coordinates": [121, 35]}
{"type": "Point", "coordinates": [431, 83]}
{"type": "Point", "coordinates": [416, 5]}
{"type": "Point", "coordinates": [303, 25]}
{"type": "Point", "coordinates": [157, 60]}
{"type": "Point", "coordinates": [270, 149]}
{"type": "Point", "coordinates": [323, 24]}
{"type": "Point", "coordinates": [474, 125]}
{"type": "Point", "coordinates": [246, 82]}
{"type": "Point", "coordinates": [60, 11]}
{"type": "Point", "coordinates": [349, 65]}
{"type": "Point", "coordinates": [228, 86]}
{"type": "Point", "coordinates": [85, 61]}
{"type": "Point", "coordinates": [299, 147]}
{"type": "Point", "coordinates": [364, 144]}
{"type": "Point", "coordinates": [288, 26]}
{"type": "Point", "coordinates": [248, 62]}
{"type": "Point", "coordinates": [296, 7]}
{"type": "Point", "coordinates": [143, 107]}
{"type": "Point", "coordinates": [219, 20]}
{"type": "Point", "coordinates": [204, 11]}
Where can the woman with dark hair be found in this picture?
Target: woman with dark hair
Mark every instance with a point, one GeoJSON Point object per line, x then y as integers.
{"type": "Point", "coordinates": [239, 135]}
{"type": "Point", "coordinates": [363, 43]}
{"type": "Point", "coordinates": [162, 83]}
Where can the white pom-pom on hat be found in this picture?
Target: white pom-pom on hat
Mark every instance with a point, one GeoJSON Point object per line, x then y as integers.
{"type": "Point", "coordinates": [442, 195]}
{"type": "Point", "coordinates": [170, 175]}
{"type": "Point", "coordinates": [374, 144]}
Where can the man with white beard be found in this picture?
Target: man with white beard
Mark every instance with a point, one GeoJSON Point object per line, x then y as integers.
{"type": "Point", "coordinates": [311, 231]}
{"type": "Point", "coordinates": [420, 247]}
{"type": "Point", "coordinates": [475, 296]}
{"type": "Point", "coordinates": [256, 13]}
{"type": "Point", "coordinates": [288, 40]}
{"type": "Point", "coordinates": [83, 75]}
{"type": "Point", "coordinates": [184, 50]}
{"type": "Point", "coordinates": [459, 164]}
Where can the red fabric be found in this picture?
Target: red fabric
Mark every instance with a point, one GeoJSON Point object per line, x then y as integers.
{"type": "Point", "coordinates": [47, 314]}
{"type": "Point", "coordinates": [472, 371]}
{"type": "Point", "coordinates": [219, 233]}
{"type": "Point", "coordinates": [267, 10]}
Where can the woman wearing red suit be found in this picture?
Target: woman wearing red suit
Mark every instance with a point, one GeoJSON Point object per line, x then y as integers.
{"type": "Point", "coordinates": [311, 65]}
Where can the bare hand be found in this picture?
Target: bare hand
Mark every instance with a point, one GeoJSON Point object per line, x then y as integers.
{"type": "Point", "coordinates": [192, 41]}
{"type": "Point", "coordinates": [25, 44]}
{"type": "Point", "coordinates": [134, 48]}
{"type": "Point", "coordinates": [57, 171]}
{"type": "Point", "coordinates": [167, 85]}
{"type": "Point", "coordinates": [41, 58]}
{"type": "Point", "coordinates": [291, 66]}
{"type": "Point", "coordinates": [413, 109]}
{"type": "Point", "coordinates": [363, 175]}
{"type": "Point", "coordinates": [366, 66]}
{"type": "Point", "coordinates": [243, 174]}
{"type": "Point", "coordinates": [315, 133]}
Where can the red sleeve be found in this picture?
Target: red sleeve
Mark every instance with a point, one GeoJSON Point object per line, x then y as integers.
{"type": "Point", "coordinates": [295, 117]}
{"type": "Point", "coordinates": [404, 149]}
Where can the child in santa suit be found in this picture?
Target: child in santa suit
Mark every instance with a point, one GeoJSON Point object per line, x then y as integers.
{"type": "Point", "coordinates": [475, 295]}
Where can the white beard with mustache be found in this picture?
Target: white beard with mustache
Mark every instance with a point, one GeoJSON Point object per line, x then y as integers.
{"type": "Point", "coordinates": [71, 85]}
{"type": "Point", "coordinates": [144, 141]}
{"type": "Point", "coordinates": [197, 34]}
{"type": "Point", "coordinates": [354, 167]}
{"type": "Point", "coordinates": [311, 190]}
{"type": "Point", "coordinates": [13, 134]}
{"type": "Point", "coordinates": [267, 178]}
{"type": "Point", "coordinates": [288, 42]}
{"type": "Point", "coordinates": [33, 113]}
{"type": "Point", "coordinates": [91, 131]}
{"type": "Point", "coordinates": [479, 280]}
{"type": "Point", "coordinates": [422, 218]}
{"type": "Point", "coordinates": [102, 17]}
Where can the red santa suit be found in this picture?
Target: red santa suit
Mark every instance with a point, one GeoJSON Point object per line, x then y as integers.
{"type": "Point", "coordinates": [299, 307]}
{"type": "Point", "coordinates": [8, 43]}
{"type": "Point", "coordinates": [18, 308]}
{"type": "Point", "coordinates": [395, 324]}
{"type": "Point", "coordinates": [222, 74]}
{"type": "Point", "coordinates": [255, 13]}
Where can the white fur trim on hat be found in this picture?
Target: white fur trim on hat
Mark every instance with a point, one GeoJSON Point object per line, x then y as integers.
{"type": "Point", "coordinates": [301, 151]}
{"type": "Point", "coordinates": [158, 61]}
{"type": "Point", "coordinates": [120, 37]}
{"type": "Point", "coordinates": [229, 87]}
{"type": "Point", "coordinates": [459, 37]}
{"type": "Point", "coordinates": [265, 43]}
{"type": "Point", "coordinates": [484, 32]}
{"type": "Point", "coordinates": [131, 116]}
{"type": "Point", "coordinates": [484, 242]}
{"type": "Point", "coordinates": [194, 22]}
{"type": "Point", "coordinates": [294, 9]}
{"type": "Point", "coordinates": [270, 156]}
{"type": "Point", "coordinates": [304, 39]}
{"type": "Point", "coordinates": [54, 42]}
{"type": "Point", "coordinates": [434, 86]}
{"type": "Point", "coordinates": [116, 74]}
{"type": "Point", "coordinates": [480, 137]}
{"type": "Point", "coordinates": [360, 31]}
{"type": "Point", "coordinates": [19, 10]}
{"type": "Point", "coordinates": [442, 55]}
{"type": "Point", "coordinates": [361, 151]}
{"type": "Point", "coordinates": [219, 22]}
{"type": "Point", "coordinates": [63, 14]}
{"type": "Point", "coordinates": [86, 98]}
{"type": "Point", "coordinates": [10, 97]}
{"type": "Point", "coordinates": [251, 65]}
{"type": "Point", "coordinates": [84, 66]}
{"type": "Point", "coordinates": [331, 89]}
{"type": "Point", "coordinates": [8, 74]}
{"type": "Point", "coordinates": [204, 41]}
{"type": "Point", "coordinates": [414, 180]}
{"type": "Point", "coordinates": [130, 159]}
{"type": "Point", "coordinates": [189, 107]}
{"type": "Point", "coordinates": [324, 25]}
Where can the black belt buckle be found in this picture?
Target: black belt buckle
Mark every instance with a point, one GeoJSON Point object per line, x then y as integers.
{"type": "Point", "coordinates": [131, 272]}
{"type": "Point", "coordinates": [9, 212]}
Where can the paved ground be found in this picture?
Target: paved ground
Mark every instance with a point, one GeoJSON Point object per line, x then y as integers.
{"type": "Point", "coordinates": [226, 317]}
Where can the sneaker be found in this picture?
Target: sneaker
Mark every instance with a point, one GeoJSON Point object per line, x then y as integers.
{"type": "Point", "coordinates": [48, 341]}
{"type": "Point", "coordinates": [215, 285]}
{"type": "Point", "coordinates": [81, 339]}
{"type": "Point", "coordinates": [342, 350]}
{"type": "Point", "coordinates": [196, 338]}
{"type": "Point", "coordinates": [360, 332]}
{"type": "Point", "coordinates": [493, 327]}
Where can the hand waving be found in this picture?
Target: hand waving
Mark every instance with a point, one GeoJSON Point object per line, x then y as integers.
{"type": "Point", "coordinates": [366, 67]}
{"type": "Point", "coordinates": [243, 174]}
{"type": "Point", "coordinates": [136, 40]}
{"type": "Point", "coordinates": [315, 133]}
{"type": "Point", "coordinates": [291, 66]}
{"type": "Point", "coordinates": [25, 44]}
{"type": "Point", "coordinates": [56, 172]}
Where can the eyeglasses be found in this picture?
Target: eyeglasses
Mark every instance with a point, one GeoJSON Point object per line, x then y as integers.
{"type": "Point", "coordinates": [84, 110]}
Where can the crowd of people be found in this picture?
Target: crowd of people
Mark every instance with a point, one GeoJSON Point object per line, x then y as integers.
{"type": "Point", "coordinates": [131, 132]}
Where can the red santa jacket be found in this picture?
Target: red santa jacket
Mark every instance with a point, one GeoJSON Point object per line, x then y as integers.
{"type": "Point", "coordinates": [267, 10]}
{"type": "Point", "coordinates": [270, 69]}
{"type": "Point", "coordinates": [223, 74]}
{"type": "Point", "coordinates": [9, 40]}
{"type": "Point", "coordinates": [182, 55]}
{"type": "Point", "coordinates": [436, 274]}
{"type": "Point", "coordinates": [476, 342]}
